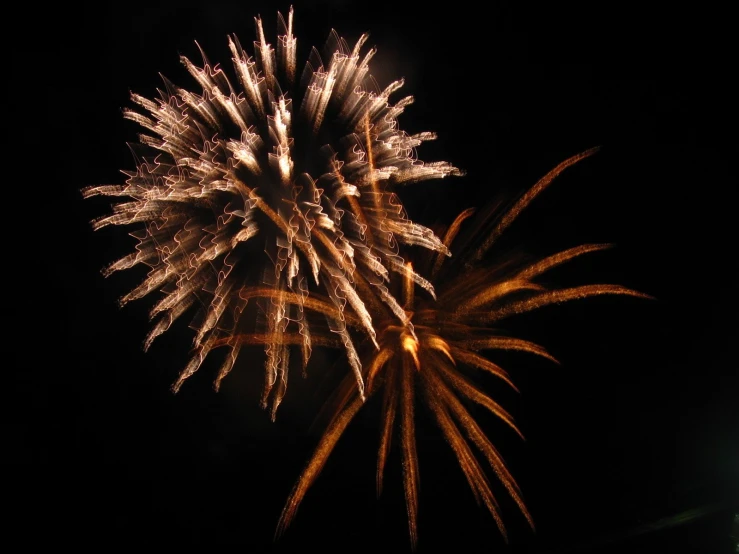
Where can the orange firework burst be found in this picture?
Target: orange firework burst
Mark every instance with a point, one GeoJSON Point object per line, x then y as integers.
{"type": "Point", "coordinates": [272, 186]}
{"type": "Point", "coordinates": [430, 353]}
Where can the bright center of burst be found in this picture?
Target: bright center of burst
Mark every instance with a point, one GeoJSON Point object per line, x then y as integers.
{"type": "Point", "coordinates": [410, 345]}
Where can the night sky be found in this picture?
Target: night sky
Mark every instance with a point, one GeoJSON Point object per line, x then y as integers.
{"type": "Point", "coordinates": [637, 427]}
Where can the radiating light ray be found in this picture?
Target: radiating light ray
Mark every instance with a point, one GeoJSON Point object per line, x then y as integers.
{"type": "Point", "coordinates": [389, 407]}
{"type": "Point", "coordinates": [432, 353]}
{"type": "Point", "coordinates": [324, 449]}
{"type": "Point", "coordinates": [264, 179]}
{"type": "Point", "coordinates": [525, 200]}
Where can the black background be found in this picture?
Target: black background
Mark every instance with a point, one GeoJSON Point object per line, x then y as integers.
{"type": "Point", "coordinates": [638, 424]}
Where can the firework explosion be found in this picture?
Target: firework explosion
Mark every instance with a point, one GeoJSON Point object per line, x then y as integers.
{"type": "Point", "coordinates": [272, 187]}
{"type": "Point", "coordinates": [431, 355]}
{"type": "Point", "coordinates": [279, 189]}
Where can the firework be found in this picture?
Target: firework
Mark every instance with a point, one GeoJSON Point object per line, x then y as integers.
{"type": "Point", "coordinates": [431, 355]}
{"type": "Point", "coordinates": [272, 187]}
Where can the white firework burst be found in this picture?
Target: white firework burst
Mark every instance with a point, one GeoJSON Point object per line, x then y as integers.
{"type": "Point", "coordinates": [271, 187]}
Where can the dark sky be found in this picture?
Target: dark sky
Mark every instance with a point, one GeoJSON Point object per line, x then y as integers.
{"type": "Point", "coordinates": [637, 425]}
